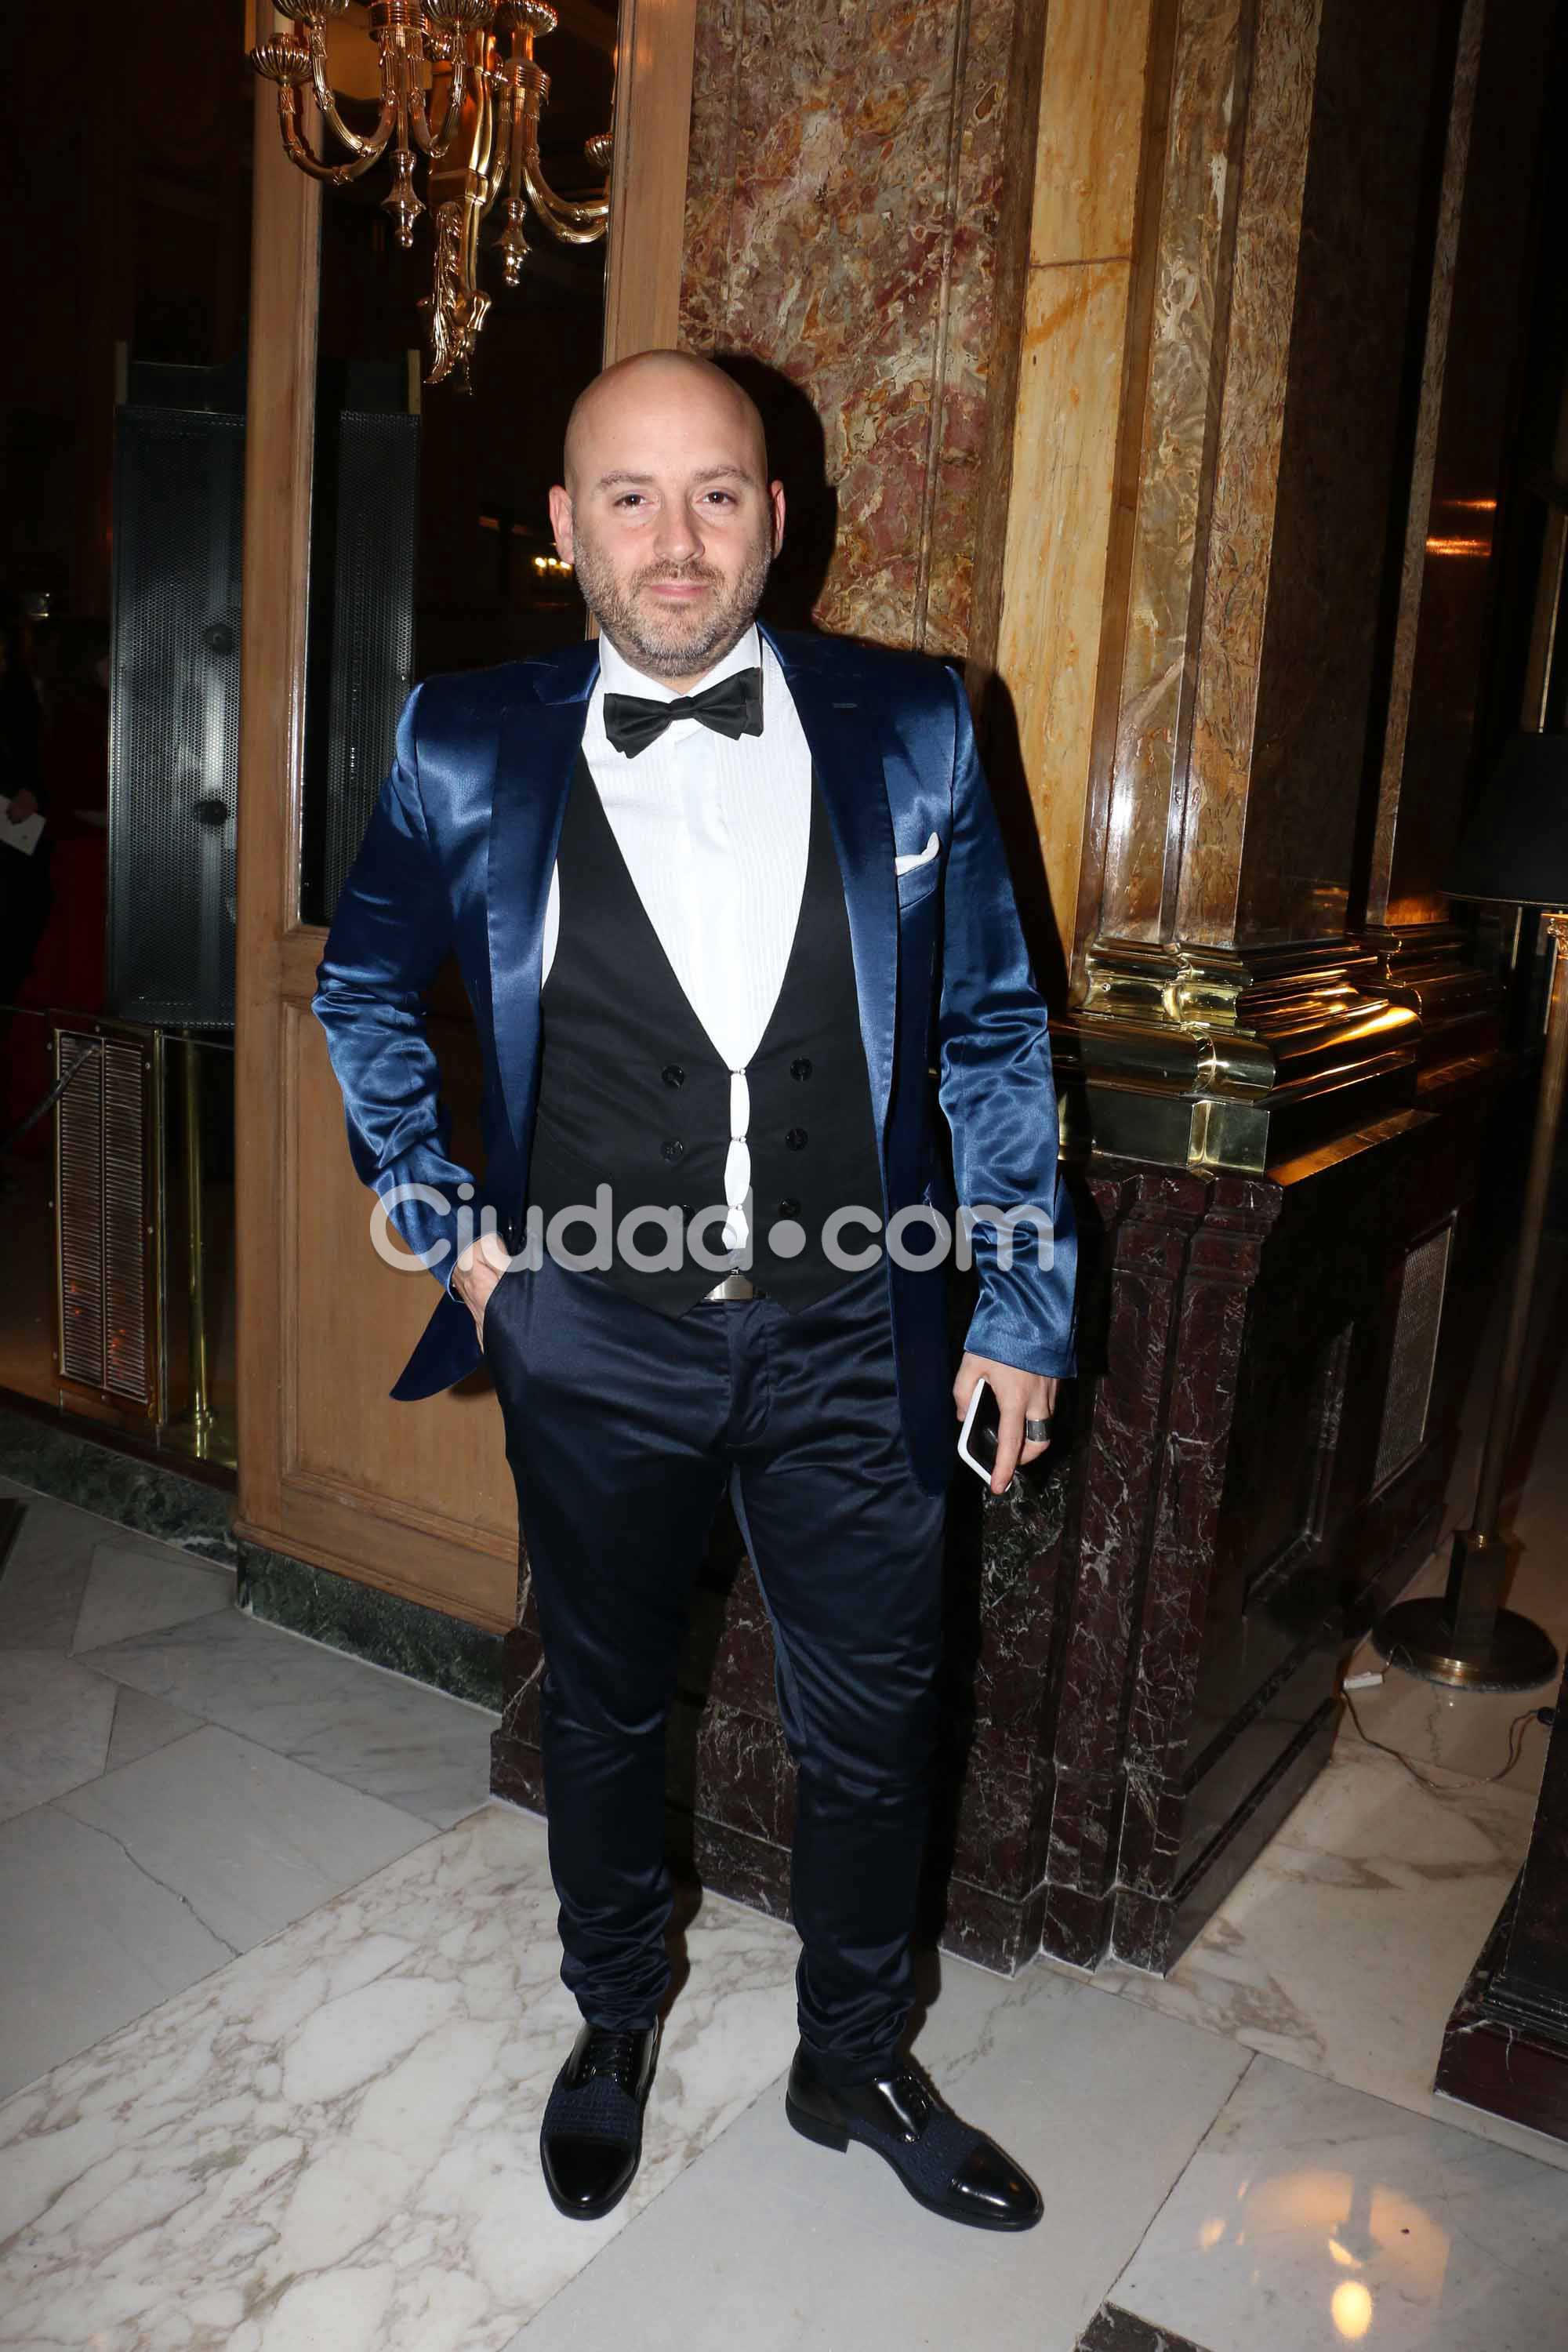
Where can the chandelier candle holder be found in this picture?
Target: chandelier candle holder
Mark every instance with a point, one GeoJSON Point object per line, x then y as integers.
{"type": "Point", "coordinates": [477, 126]}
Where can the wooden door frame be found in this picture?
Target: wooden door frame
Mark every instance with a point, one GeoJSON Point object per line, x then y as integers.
{"type": "Point", "coordinates": [277, 955]}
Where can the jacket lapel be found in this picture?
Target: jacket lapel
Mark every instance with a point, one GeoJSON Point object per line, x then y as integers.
{"type": "Point", "coordinates": [535, 756]}
{"type": "Point", "coordinates": [848, 754]}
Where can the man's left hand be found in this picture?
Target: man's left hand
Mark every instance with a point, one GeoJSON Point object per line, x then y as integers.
{"type": "Point", "coordinates": [1023, 1396]}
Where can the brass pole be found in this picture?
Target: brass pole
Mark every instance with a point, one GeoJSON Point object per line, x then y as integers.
{"type": "Point", "coordinates": [200, 1411]}
{"type": "Point", "coordinates": [1468, 1639]}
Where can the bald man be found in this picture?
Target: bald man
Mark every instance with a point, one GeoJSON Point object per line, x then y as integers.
{"type": "Point", "coordinates": [718, 895]}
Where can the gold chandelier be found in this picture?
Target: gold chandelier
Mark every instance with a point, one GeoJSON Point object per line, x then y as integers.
{"type": "Point", "coordinates": [477, 124]}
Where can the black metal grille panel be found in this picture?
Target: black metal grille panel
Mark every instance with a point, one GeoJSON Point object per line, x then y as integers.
{"type": "Point", "coordinates": [102, 1218]}
{"type": "Point", "coordinates": [1414, 1354]}
{"type": "Point", "coordinates": [368, 668]}
{"type": "Point", "coordinates": [174, 738]}
{"type": "Point", "coordinates": [79, 1222]}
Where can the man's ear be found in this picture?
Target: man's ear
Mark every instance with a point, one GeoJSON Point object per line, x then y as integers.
{"type": "Point", "coordinates": [776, 500]}
{"type": "Point", "coordinates": [560, 521]}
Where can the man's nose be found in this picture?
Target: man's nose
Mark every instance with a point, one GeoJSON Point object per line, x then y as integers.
{"type": "Point", "coordinates": [677, 539]}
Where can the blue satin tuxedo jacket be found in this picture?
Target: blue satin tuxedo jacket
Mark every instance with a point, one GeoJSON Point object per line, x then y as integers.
{"type": "Point", "coordinates": [458, 855]}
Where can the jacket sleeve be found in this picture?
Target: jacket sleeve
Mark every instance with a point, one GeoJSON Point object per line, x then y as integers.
{"type": "Point", "coordinates": [389, 936]}
{"type": "Point", "coordinates": [998, 1092]}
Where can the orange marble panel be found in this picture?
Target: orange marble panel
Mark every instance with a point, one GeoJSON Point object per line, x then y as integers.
{"type": "Point", "coordinates": [1129, 854]}
{"type": "Point", "coordinates": [1091, 127]}
{"type": "Point", "coordinates": [1252, 420]}
{"type": "Point", "coordinates": [1064, 458]}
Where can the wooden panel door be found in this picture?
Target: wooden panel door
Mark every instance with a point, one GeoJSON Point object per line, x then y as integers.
{"type": "Point", "coordinates": [415, 1498]}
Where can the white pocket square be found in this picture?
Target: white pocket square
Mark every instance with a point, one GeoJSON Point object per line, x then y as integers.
{"type": "Point", "coordinates": [917, 857]}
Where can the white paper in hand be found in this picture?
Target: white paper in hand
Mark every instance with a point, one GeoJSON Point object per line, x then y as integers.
{"type": "Point", "coordinates": [24, 835]}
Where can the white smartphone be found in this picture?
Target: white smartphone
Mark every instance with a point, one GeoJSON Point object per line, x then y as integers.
{"type": "Point", "coordinates": [977, 1439]}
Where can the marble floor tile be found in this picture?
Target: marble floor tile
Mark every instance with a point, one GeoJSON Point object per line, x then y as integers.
{"type": "Point", "coordinates": [55, 1720]}
{"type": "Point", "coordinates": [51, 1564]}
{"type": "Point", "coordinates": [1314, 2216]}
{"type": "Point", "coordinates": [332, 2141]}
{"type": "Point", "coordinates": [1470, 1733]}
{"type": "Point", "coordinates": [142, 1724]}
{"type": "Point", "coordinates": [416, 1749]}
{"type": "Point", "coordinates": [1344, 1947]}
{"type": "Point", "coordinates": [1467, 1732]}
{"type": "Point", "coordinates": [248, 1840]}
{"type": "Point", "coordinates": [134, 1589]}
{"type": "Point", "coordinates": [88, 1941]}
{"type": "Point", "coordinates": [45, 1576]}
{"type": "Point", "coordinates": [770, 2241]}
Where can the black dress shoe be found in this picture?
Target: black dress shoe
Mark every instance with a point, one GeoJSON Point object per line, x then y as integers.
{"type": "Point", "coordinates": [591, 2140]}
{"type": "Point", "coordinates": [945, 2163]}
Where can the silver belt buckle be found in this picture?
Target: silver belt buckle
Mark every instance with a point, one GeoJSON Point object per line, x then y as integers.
{"type": "Point", "coordinates": [734, 1285]}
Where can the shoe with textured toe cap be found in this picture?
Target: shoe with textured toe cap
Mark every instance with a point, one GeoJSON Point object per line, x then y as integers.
{"type": "Point", "coordinates": [945, 2163]}
{"type": "Point", "coordinates": [590, 2143]}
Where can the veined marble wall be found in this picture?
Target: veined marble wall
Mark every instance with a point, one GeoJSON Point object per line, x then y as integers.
{"type": "Point", "coordinates": [843, 196]}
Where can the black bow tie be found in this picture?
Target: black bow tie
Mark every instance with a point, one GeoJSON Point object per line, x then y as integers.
{"type": "Point", "coordinates": [732, 708]}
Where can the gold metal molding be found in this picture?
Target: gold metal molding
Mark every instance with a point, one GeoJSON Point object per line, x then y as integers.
{"type": "Point", "coordinates": [1221, 1058]}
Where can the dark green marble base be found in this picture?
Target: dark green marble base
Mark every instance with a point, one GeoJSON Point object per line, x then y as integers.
{"type": "Point", "coordinates": [150, 1497]}
{"type": "Point", "coordinates": [424, 1643]}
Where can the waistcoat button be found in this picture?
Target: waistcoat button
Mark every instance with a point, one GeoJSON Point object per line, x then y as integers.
{"type": "Point", "coordinates": [674, 1150]}
{"type": "Point", "coordinates": [787, 1208]}
{"type": "Point", "coordinates": [800, 1067]}
{"type": "Point", "coordinates": [795, 1138]}
{"type": "Point", "coordinates": [673, 1075]}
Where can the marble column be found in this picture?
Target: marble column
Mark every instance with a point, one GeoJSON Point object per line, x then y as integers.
{"type": "Point", "coordinates": [1280, 1195]}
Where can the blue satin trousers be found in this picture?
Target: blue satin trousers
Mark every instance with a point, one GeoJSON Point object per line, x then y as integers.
{"type": "Point", "coordinates": [624, 1429]}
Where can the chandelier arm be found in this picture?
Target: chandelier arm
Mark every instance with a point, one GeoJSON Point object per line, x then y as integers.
{"type": "Point", "coordinates": [577, 223]}
{"type": "Point", "coordinates": [329, 105]}
{"type": "Point", "coordinates": [331, 175]}
{"type": "Point", "coordinates": [431, 138]}
{"type": "Point", "coordinates": [501, 168]}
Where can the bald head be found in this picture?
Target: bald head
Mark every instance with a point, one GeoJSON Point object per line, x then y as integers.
{"type": "Point", "coordinates": [667, 512]}
{"type": "Point", "coordinates": [625, 399]}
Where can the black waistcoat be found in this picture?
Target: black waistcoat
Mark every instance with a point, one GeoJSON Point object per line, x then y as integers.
{"type": "Point", "coordinates": [634, 1094]}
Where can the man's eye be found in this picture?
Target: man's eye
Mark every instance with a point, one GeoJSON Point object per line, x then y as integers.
{"type": "Point", "coordinates": [727, 496]}
{"type": "Point", "coordinates": [630, 498]}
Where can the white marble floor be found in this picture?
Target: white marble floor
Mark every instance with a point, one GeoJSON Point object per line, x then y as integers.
{"type": "Point", "coordinates": [1313, 2217]}
{"type": "Point", "coordinates": [177, 1781]}
{"type": "Point", "coordinates": [282, 2005]}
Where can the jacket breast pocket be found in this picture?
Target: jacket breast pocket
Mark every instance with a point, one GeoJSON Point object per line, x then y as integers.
{"type": "Point", "coordinates": [918, 884]}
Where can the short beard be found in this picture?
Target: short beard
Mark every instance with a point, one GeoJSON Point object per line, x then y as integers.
{"type": "Point", "coordinates": [658, 650]}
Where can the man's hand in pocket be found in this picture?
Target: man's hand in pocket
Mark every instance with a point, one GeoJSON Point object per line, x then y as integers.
{"type": "Point", "coordinates": [480, 1268]}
